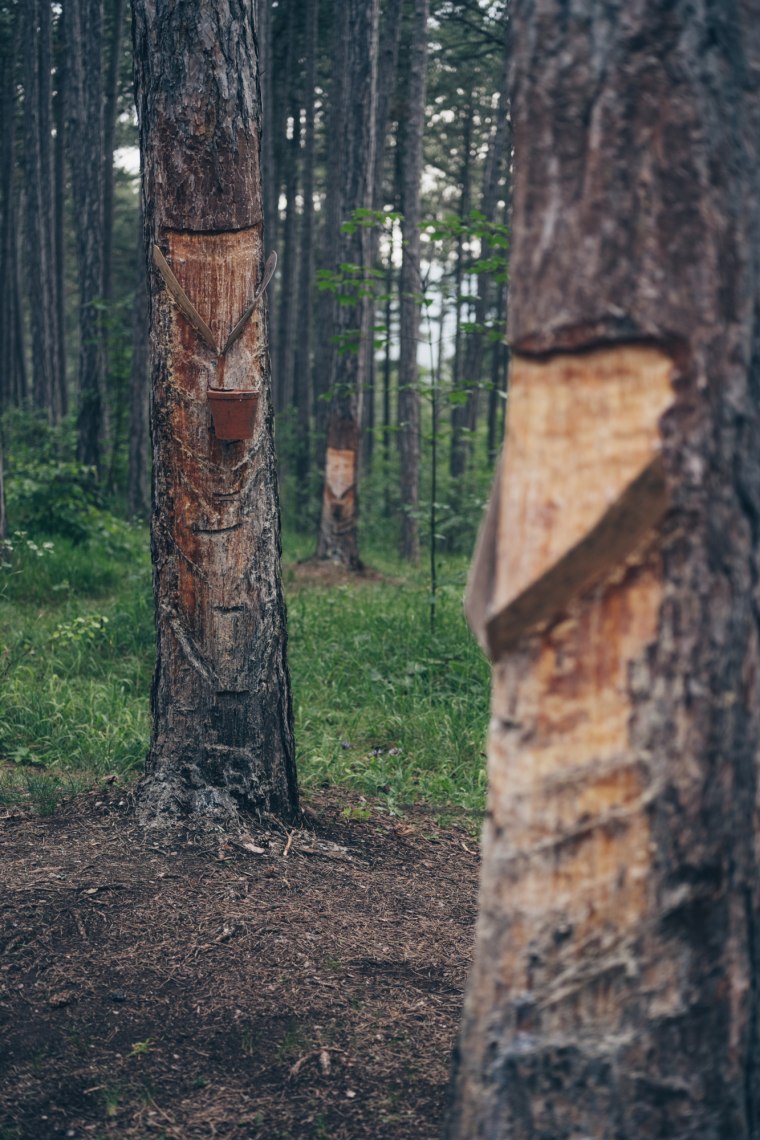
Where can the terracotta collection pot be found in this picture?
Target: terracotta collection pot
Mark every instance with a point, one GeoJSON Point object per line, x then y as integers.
{"type": "Point", "coordinates": [233, 411]}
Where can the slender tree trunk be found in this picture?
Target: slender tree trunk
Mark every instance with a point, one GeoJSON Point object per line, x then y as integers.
{"type": "Point", "coordinates": [410, 141]}
{"type": "Point", "coordinates": [38, 167]}
{"type": "Point", "coordinates": [338, 531]}
{"type": "Point", "coordinates": [302, 370]}
{"type": "Point", "coordinates": [291, 146]}
{"type": "Point", "coordinates": [12, 372]}
{"type": "Point", "coordinates": [222, 720]}
{"type": "Point", "coordinates": [109, 135]}
{"type": "Point", "coordinates": [138, 493]}
{"type": "Point", "coordinates": [84, 27]}
{"type": "Point", "coordinates": [387, 67]}
{"type": "Point", "coordinates": [614, 991]}
{"type": "Point", "coordinates": [457, 411]}
{"type": "Point", "coordinates": [329, 259]}
{"type": "Point", "coordinates": [497, 158]}
{"type": "Point", "coordinates": [495, 398]}
{"type": "Point", "coordinates": [59, 200]}
{"type": "Point", "coordinates": [387, 380]}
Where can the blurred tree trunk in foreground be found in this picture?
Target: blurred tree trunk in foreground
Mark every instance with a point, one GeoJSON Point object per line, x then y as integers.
{"type": "Point", "coordinates": [222, 721]}
{"type": "Point", "coordinates": [614, 991]}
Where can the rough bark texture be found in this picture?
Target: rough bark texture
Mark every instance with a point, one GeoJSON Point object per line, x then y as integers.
{"type": "Point", "coordinates": [615, 986]}
{"type": "Point", "coordinates": [59, 203]}
{"type": "Point", "coordinates": [138, 491]}
{"type": "Point", "coordinates": [410, 140]}
{"type": "Point", "coordinates": [387, 66]}
{"type": "Point", "coordinates": [12, 367]}
{"type": "Point", "coordinates": [222, 730]}
{"type": "Point", "coordinates": [338, 535]}
{"type": "Point", "coordinates": [326, 309]}
{"type": "Point", "coordinates": [84, 35]}
{"type": "Point", "coordinates": [302, 387]}
{"type": "Point", "coordinates": [287, 319]}
{"type": "Point", "coordinates": [38, 169]}
{"type": "Point", "coordinates": [109, 138]}
{"type": "Point", "coordinates": [496, 164]}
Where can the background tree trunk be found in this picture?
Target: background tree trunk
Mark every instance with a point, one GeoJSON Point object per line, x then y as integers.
{"type": "Point", "coordinates": [38, 163]}
{"type": "Point", "coordinates": [138, 491]}
{"type": "Point", "coordinates": [338, 534]}
{"type": "Point", "coordinates": [615, 985]}
{"type": "Point", "coordinates": [302, 387]}
{"type": "Point", "coordinates": [12, 369]}
{"type": "Point", "coordinates": [222, 720]}
{"type": "Point", "coordinates": [84, 33]}
{"type": "Point", "coordinates": [410, 288]}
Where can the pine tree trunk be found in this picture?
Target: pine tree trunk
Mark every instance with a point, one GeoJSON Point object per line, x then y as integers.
{"type": "Point", "coordinates": [291, 146]}
{"type": "Point", "coordinates": [410, 142]}
{"type": "Point", "coordinates": [614, 991]}
{"type": "Point", "coordinates": [497, 158]}
{"type": "Point", "coordinates": [59, 201]}
{"type": "Point", "coordinates": [338, 532]}
{"type": "Point", "coordinates": [302, 388]}
{"type": "Point", "coordinates": [84, 33]}
{"type": "Point", "coordinates": [109, 135]}
{"type": "Point", "coordinates": [456, 464]}
{"type": "Point", "coordinates": [12, 374]}
{"type": "Point", "coordinates": [38, 168]}
{"type": "Point", "coordinates": [222, 720]}
{"type": "Point", "coordinates": [138, 492]}
{"type": "Point", "coordinates": [387, 67]}
{"type": "Point", "coordinates": [329, 253]}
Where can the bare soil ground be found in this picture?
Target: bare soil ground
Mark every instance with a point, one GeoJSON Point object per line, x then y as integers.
{"type": "Point", "coordinates": [303, 983]}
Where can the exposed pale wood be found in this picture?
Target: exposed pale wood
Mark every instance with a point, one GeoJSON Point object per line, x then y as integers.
{"type": "Point", "coordinates": [581, 428]}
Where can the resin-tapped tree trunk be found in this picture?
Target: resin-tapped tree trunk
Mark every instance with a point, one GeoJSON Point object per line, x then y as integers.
{"type": "Point", "coordinates": [614, 992]}
{"type": "Point", "coordinates": [222, 722]}
{"type": "Point", "coordinates": [338, 530]}
{"type": "Point", "coordinates": [410, 287]}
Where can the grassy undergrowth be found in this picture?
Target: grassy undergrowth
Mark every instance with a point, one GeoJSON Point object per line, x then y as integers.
{"type": "Point", "coordinates": [382, 704]}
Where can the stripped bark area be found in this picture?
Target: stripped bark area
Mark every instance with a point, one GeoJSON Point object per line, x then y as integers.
{"type": "Point", "coordinates": [222, 734]}
{"type": "Point", "coordinates": [614, 989]}
{"type": "Point", "coordinates": [338, 536]}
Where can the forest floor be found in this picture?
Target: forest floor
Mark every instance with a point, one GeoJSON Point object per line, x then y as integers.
{"type": "Point", "coordinates": [290, 983]}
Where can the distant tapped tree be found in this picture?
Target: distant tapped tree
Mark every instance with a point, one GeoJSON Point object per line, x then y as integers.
{"type": "Point", "coordinates": [615, 990]}
{"type": "Point", "coordinates": [354, 152]}
{"type": "Point", "coordinates": [222, 722]}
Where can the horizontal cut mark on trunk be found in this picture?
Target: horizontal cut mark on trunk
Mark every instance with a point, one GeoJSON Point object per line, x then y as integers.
{"type": "Point", "coordinates": [216, 530]}
{"type": "Point", "coordinates": [229, 609]}
{"type": "Point", "coordinates": [621, 529]}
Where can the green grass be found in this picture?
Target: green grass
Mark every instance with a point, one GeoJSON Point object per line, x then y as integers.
{"type": "Point", "coordinates": [382, 705]}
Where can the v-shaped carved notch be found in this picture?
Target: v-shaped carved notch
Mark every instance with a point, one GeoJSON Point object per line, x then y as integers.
{"type": "Point", "coordinates": [196, 320]}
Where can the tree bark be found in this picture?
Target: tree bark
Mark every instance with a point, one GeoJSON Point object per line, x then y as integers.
{"type": "Point", "coordinates": [109, 136]}
{"type": "Point", "coordinates": [329, 255]}
{"type": "Point", "coordinates": [12, 373]}
{"type": "Point", "coordinates": [387, 67]}
{"type": "Point", "coordinates": [222, 720]}
{"type": "Point", "coordinates": [84, 33]}
{"type": "Point", "coordinates": [138, 492]}
{"type": "Point", "coordinates": [497, 159]}
{"type": "Point", "coordinates": [302, 387]}
{"type": "Point", "coordinates": [457, 410]}
{"type": "Point", "coordinates": [615, 986]}
{"type": "Point", "coordinates": [290, 149]}
{"type": "Point", "coordinates": [410, 142]}
{"type": "Point", "coordinates": [38, 167]}
{"type": "Point", "coordinates": [338, 532]}
{"type": "Point", "coordinates": [59, 204]}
